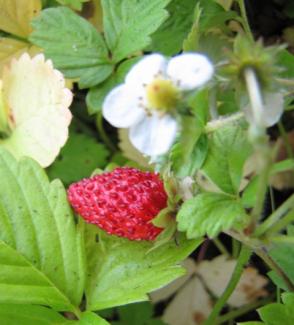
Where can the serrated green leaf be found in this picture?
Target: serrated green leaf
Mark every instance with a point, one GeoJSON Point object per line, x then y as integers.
{"type": "Point", "coordinates": [210, 213]}
{"type": "Point", "coordinates": [74, 45]}
{"type": "Point", "coordinates": [78, 158]}
{"type": "Point", "coordinates": [227, 153]}
{"type": "Point", "coordinates": [277, 314]}
{"type": "Point", "coordinates": [96, 95]}
{"type": "Point", "coordinates": [74, 4]}
{"type": "Point", "coordinates": [128, 24]}
{"type": "Point", "coordinates": [42, 259]}
{"type": "Point", "coordinates": [29, 315]}
{"type": "Point", "coordinates": [169, 37]}
{"type": "Point", "coordinates": [121, 271]}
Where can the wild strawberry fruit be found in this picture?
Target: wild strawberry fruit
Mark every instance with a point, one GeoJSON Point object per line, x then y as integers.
{"type": "Point", "coordinates": [122, 202]}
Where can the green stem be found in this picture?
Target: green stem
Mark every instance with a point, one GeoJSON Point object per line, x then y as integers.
{"type": "Point", "coordinates": [235, 248]}
{"type": "Point", "coordinates": [275, 216]}
{"type": "Point", "coordinates": [243, 310]}
{"type": "Point", "coordinates": [221, 247]}
{"type": "Point", "coordinates": [283, 239]}
{"type": "Point", "coordinates": [245, 19]}
{"type": "Point", "coordinates": [281, 224]}
{"type": "Point", "coordinates": [261, 252]}
{"type": "Point", "coordinates": [104, 136]}
{"type": "Point", "coordinates": [241, 262]}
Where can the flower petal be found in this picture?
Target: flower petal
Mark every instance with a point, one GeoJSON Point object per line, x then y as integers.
{"type": "Point", "coordinates": [273, 109]}
{"type": "Point", "coordinates": [190, 70]}
{"type": "Point", "coordinates": [145, 70]}
{"type": "Point", "coordinates": [154, 135]}
{"type": "Point", "coordinates": [121, 107]}
{"type": "Point", "coordinates": [38, 101]}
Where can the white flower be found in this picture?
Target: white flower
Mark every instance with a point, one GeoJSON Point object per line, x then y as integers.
{"type": "Point", "coordinates": [273, 108]}
{"type": "Point", "coordinates": [146, 102]}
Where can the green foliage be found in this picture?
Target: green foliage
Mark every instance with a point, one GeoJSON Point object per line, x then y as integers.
{"type": "Point", "coordinates": [286, 62]}
{"type": "Point", "coordinates": [209, 32]}
{"type": "Point", "coordinates": [137, 314]}
{"type": "Point", "coordinates": [189, 153]}
{"type": "Point", "coordinates": [169, 37]}
{"type": "Point", "coordinates": [121, 271]}
{"type": "Point", "coordinates": [277, 313]}
{"type": "Point", "coordinates": [128, 24]}
{"type": "Point", "coordinates": [29, 315]}
{"type": "Point", "coordinates": [41, 247]}
{"type": "Point", "coordinates": [225, 158]}
{"type": "Point", "coordinates": [78, 158]}
{"type": "Point", "coordinates": [96, 95]}
{"type": "Point", "coordinates": [211, 213]}
{"type": "Point", "coordinates": [283, 255]}
{"type": "Point", "coordinates": [74, 45]}
{"type": "Point", "coordinates": [74, 4]}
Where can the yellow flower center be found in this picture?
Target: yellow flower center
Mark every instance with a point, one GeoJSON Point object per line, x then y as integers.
{"type": "Point", "coordinates": [162, 95]}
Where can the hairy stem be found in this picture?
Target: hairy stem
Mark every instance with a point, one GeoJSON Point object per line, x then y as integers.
{"type": "Point", "coordinates": [246, 25]}
{"type": "Point", "coordinates": [275, 216]}
{"type": "Point", "coordinates": [104, 136]}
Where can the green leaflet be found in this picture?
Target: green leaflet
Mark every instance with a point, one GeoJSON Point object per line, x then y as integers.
{"type": "Point", "coordinates": [40, 315]}
{"type": "Point", "coordinates": [78, 158]}
{"type": "Point", "coordinates": [74, 45]}
{"type": "Point", "coordinates": [210, 213]}
{"type": "Point", "coordinates": [227, 153]}
{"type": "Point", "coordinates": [169, 37]}
{"type": "Point", "coordinates": [128, 24]}
{"type": "Point", "coordinates": [277, 314]}
{"type": "Point", "coordinates": [41, 248]}
{"type": "Point", "coordinates": [29, 315]}
{"type": "Point", "coordinates": [122, 271]}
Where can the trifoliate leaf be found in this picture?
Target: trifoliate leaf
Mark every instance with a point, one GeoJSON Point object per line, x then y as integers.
{"type": "Point", "coordinates": [74, 4]}
{"type": "Point", "coordinates": [228, 150]}
{"type": "Point", "coordinates": [128, 24]}
{"type": "Point", "coordinates": [74, 45]}
{"type": "Point", "coordinates": [169, 37]}
{"type": "Point", "coordinates": [127, 272]}
{"type": "Point", "coordinates": [78, 158]}
{"type": "Point", "coordinates": [210, 213]}
{"type": "Point", "coordinates": [38, 109]}
{"type": "Point", "coordinates": [41, 248]}
{"type": "Point", "coordinates": [12, 48]}
{"type": "Point", "coordinates": [15, 16]}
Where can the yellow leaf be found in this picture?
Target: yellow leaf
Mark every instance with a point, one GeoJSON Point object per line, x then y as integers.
{"type": "Point", "coordinates": [11, 48]}
{"type": "Point", "coordinates": [15, 16]}
{"type": "Point", "coordinates": [38, 102]}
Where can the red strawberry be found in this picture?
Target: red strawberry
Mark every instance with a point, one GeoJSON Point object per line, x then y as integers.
{"type": "Point", "coordinates": [122, 202]}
